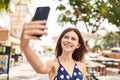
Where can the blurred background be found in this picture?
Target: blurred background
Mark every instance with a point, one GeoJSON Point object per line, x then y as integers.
{"type": "Point", "coordinates": [98, 21]}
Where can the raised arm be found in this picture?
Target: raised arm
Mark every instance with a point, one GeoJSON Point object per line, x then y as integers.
{"type": "Point", "coordinates": [30, 29]}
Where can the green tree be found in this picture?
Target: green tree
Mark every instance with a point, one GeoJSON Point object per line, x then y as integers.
{"type": "Point", "coordinates": [113, 14]}
{"type": "Point", "coordinates": [4, 4]}
{"type": "Point", "coordinates": [91, 12]}
{"type": "Point", "coordinates": [111, 38]}
{"type": "Point", "coordinates": [110, 10]}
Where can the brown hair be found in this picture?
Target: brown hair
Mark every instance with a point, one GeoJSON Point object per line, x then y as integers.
{"type": "Point", "coordinates": [78, 54]}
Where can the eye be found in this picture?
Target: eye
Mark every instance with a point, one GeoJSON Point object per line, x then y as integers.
{"type": "Point", "coordinates": [66, 37]}
{"type": "Point", "coordinates": [73, 38]}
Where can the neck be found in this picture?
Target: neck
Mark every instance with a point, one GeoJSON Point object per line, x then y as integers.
{"type": "Point", "coordinates": [66, 57]}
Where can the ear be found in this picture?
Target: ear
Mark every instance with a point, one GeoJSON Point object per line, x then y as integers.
{"type": "Point", "coordinates": [78, 45]}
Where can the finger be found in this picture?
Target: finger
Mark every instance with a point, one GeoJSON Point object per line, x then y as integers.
{"type": "Point", "coordinates": [29, 37]}
{"type": "Point", "coordinates": [43, 22]}
{"type": "Point", "coordinates": [35, 32]}
{"type": "Point", "coordinates": [34, 26]}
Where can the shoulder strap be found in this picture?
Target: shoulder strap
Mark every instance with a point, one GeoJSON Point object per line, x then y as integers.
{"type": "Point", "coordinates": [75, 62]}
{"type": "Point", "coordinates": [58, 61]}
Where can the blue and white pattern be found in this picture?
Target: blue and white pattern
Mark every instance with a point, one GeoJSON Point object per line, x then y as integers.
{"type": "Point", "coordinates": [63, 74]}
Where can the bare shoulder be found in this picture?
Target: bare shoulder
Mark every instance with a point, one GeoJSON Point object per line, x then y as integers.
{"type": "Point", "coordinates": [82, 67]}
{"type": "Point", "coordinates": [53, 63]}
{"type": "Point", "coordinates": [81, 64]}
{"type": "Point", "coordinates": [54, 69]}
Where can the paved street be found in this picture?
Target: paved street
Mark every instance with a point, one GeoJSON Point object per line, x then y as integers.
{"type": "Point", "coordinates": [23, 72]}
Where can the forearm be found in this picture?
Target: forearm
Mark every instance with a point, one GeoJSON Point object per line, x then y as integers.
{"type": "Point", "coordinates": [33, 58]}
{"type": "Point", "coordinates": [30, 29]}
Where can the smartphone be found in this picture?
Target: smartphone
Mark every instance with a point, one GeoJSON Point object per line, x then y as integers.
{"type": "Point", "coordinates": [41, 13]}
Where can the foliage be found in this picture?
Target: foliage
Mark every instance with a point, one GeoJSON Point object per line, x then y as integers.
{"type": "Point", "coordinates": [108, 41]}
{"type": "Point", "coordinates": [95, 47]}
{"type": "Point", "coordinates": [111, 10]}
{"type": "Point", "coordinates": [114, 12]}
{"type": "Point", "coordinates": [111, 38]}
{"type": "Point", "coordinates": [91, 12]}
{"type": "Point", "coordinates": [4, 4]}
{"type": "Point", "coordinates": [49, 49]}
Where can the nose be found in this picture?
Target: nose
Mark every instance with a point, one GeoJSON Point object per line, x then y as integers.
{"type": "Point", "coordinates": [69, 40]}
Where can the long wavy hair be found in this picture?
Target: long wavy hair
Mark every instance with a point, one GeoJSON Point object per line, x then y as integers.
{"type": "Point", "coordinates": [79, 53]}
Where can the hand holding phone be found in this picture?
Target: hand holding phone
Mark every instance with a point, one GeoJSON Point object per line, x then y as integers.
{"type": "Point", "coordinates": [41, 14]}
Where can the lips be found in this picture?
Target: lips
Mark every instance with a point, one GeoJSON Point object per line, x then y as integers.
{"type": "Point", "coordinates": [67, 44]}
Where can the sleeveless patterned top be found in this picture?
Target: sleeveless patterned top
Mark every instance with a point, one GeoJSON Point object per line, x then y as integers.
{"type": "Point", "coordinates": [62, 74]}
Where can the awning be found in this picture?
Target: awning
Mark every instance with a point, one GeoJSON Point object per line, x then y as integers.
{"type": "Point", "coordinates": [3, 34]}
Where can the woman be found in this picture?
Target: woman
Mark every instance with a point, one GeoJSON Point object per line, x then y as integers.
{"type": "Point", "coordinates": [70, 50]}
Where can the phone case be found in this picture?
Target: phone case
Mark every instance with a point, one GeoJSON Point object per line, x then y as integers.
{"type": "Point", "coordinates": [41, 13]}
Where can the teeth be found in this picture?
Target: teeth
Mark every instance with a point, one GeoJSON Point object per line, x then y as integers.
{"type": "Point", "coordinates": [68, 45]}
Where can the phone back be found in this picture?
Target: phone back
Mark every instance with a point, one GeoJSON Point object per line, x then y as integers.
{"type": "Point", "coordinates": [41, 13]}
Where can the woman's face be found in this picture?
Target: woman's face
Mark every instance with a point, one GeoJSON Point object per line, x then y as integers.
{"type": "Point", "coordinates": [69, 42]}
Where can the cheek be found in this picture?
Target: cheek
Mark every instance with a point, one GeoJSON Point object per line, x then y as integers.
{"type": "Point", "coordinates": [62, 41]}
{"type": "Point", "coordinates": [77, 45]}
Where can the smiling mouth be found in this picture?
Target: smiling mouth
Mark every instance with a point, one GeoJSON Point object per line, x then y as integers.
{"type": "Point", "coordinates": [68, 45]}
